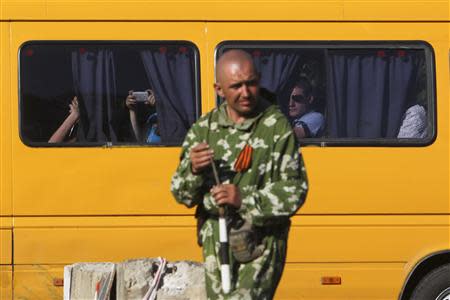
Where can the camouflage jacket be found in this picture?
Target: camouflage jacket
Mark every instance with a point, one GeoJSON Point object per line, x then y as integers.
{"type": "Point", "coordinates": [275, 185]}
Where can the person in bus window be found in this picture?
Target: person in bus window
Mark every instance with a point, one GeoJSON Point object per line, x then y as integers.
{"type": "Point", "coordinates": [414, 123]}
{"type": "Point", "coordinates": [145, 130]}
{"type": "Point", "coordinates": [306, 122]}
{"type": "Point", "coordinates": [66, 131]}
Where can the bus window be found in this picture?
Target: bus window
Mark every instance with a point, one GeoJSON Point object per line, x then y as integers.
{"type": "Point", "coordinates": [88, 94]}
{"type": "Point", "coordinates": [349, 93]}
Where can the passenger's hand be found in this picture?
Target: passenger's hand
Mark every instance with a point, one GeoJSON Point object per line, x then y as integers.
{"type": "Point", "coordinates": [151, 100]}
{"type": "Point", "coordinates": [201, 157]}
{"type": "Point", "coordinates": [130, 101]}
{"type": "Point", "coordinates": [227, 194]}
{"type": "Point", "coordinates": [74, 110]}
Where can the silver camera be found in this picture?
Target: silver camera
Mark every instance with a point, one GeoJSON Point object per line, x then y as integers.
{"type": "Point", "coordinates": [140, 96]}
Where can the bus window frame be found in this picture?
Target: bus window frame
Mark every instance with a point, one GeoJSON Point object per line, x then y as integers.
{"type": "Point", "coordinates": [430, 67]}
{"type": "Point", "coordinates": [81, 43]}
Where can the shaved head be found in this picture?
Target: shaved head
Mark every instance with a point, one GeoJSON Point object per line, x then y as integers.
{"type": "Point", "coordinates": [238, 83]}
{"type": "Point", "coordinates": [232, 59]}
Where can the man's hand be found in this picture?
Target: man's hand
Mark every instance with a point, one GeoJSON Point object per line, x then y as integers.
{"type": "Point", "coordinates": [201, 157]}
{"type": "Point", "coordinates": [227, 194]}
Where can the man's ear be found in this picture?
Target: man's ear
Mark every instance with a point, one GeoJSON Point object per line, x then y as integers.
{"type": "Point", "coordinates": [219, 90]}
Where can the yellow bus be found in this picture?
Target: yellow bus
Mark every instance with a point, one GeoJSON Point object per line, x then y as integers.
{"type": "Point", "coordinates": [376, 222]}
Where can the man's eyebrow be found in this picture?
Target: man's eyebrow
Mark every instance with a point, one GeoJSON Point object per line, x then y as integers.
{"type": "Point", "coordinates": [236, 84]}
{"type": "Point", "coordinates": [239, 83]}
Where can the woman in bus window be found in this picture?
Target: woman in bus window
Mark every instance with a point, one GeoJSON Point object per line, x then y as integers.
{"type": "Point", "coordinates": [147, 132]}
{"type": "Point", "coordinates": [66, 131]}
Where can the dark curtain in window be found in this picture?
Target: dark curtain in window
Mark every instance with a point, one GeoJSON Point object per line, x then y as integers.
{"type": "Point", "coordinates": [172, 76]}
{"type": "Point", "coordinates": [278, 70]}
{"type": "Point", "coordinates": [95, 85]}
{"type": "Point", "coordinates": [368, 92]}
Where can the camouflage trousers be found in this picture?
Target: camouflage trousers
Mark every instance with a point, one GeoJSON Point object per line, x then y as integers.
{"type": "Point", "coordinates": [257, 279]}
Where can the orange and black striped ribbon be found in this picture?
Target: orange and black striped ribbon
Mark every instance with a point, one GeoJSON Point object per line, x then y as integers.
{"type": "Point", "coordinates": [244, 159]}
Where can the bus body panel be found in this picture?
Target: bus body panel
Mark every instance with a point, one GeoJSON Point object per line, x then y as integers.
{"type": "Point", "coordinates": [6, 282]}
{"type": "Point", "coordinates": [37, 282]}
{"type": "Point", "coordinates": [303, 281]}
{"type": "Point", "coordinates": [5, 246]}
{"type": "Point", "coordinates": [388, 172]}
{"type": "Point", "coordinates": [5, 122]}
{"type": "Point", "coordinates": [218, 10]}
{"type": "Point", "coordinates": [126, 181]}
{"type": "Point", "coordinates": [313, 239]}
{"type": "Point", "coordinates": [360, 249]}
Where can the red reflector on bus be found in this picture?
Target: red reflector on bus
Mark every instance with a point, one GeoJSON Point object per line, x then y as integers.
{"type": "Point", "coordinates": [58, 282]}
{"type": "Point", "coordinates": [331, 280]}
{"type": "Point", "coordinates": [256, 53]}
{"type": "Point", "coordinates": [29, 52]}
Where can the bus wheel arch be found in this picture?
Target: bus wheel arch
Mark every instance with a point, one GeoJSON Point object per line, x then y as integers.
{"type": "Point", "coordinates": [424, 267]}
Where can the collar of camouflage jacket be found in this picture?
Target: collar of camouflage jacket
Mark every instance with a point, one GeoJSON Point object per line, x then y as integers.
{"type": "Point", "coordinates": [224, 121]}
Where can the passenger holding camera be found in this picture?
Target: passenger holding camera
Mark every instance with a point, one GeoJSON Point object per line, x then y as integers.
{"type": "Point", "coordinates": [148, 132]}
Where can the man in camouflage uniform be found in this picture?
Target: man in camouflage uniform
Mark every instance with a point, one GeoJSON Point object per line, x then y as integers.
{"type": "Point", "coordinates": [265, 193]}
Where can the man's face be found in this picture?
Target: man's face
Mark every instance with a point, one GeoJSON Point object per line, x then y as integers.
{"type": "Point", "coordinates": [239, 85]}
{"type": "Point", "coordinates": [298, 103]}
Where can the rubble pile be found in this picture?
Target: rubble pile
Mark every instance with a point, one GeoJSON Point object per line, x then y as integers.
{"type": "Point", "coordinates": [135, 279]}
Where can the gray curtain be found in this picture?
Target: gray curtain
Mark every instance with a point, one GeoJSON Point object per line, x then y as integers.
{"type": "Point", "coordinates": [95, 85]}
{"type": "Point", "coordinates": [276, 69]}
{"type": "Point", "coordinates": [368, 92]}
{"type": "Point", "coordinates": [171, 74]}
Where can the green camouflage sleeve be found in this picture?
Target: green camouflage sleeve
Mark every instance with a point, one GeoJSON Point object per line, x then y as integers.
{"type": "Point", "coordinates": [185, 186]}
{"type": "Point", "coordinates": [285, 190]}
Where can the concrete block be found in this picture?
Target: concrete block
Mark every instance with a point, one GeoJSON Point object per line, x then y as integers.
{"type": "Point", "coordinates": [88, 279]}
{"type": "Point", "coordinates": [180, 280]}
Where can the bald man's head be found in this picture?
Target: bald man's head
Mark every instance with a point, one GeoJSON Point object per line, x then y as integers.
{"type": "Point", "coordinates": [232, 58]}
{"type": "Point", "coordinates": [238, 82]}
